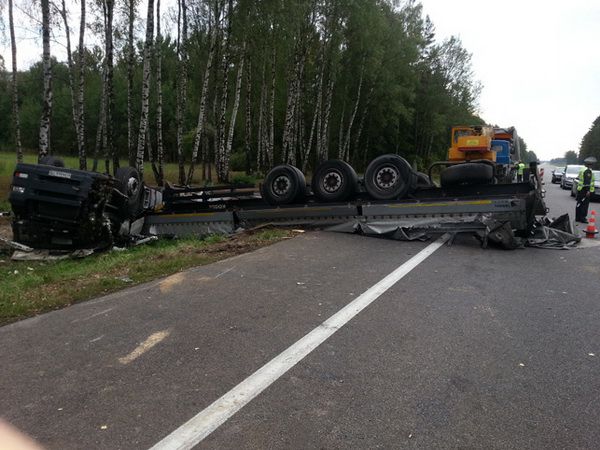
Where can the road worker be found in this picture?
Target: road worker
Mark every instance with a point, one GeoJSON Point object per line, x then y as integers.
{"type": "Point", "coordinates": [585, 188]}
{"type": "Point", "coordinates": [520, 171]}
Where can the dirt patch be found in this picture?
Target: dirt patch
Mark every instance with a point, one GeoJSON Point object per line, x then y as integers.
{"type": "Point", "coordinates": [5, 229]}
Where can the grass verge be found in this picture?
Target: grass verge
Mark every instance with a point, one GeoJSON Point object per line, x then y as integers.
{"type": "Point", "coordinates": [30, 288]}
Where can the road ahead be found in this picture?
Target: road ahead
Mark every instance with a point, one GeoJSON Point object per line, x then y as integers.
{"type": "Point", "coordinates": [471, 348]}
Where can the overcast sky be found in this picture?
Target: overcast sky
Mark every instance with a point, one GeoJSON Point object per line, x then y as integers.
{"type": "Point", "coordinates": [538, 60]}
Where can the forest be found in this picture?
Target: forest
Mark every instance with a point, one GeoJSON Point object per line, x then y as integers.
{"type": "Point", "coordinates": [218, 86]}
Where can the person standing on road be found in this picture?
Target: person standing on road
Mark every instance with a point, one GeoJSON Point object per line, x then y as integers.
{"type": "Point", "coordinates": [585, 188]}
{"type": "Point", "coordinates": [520, 171]}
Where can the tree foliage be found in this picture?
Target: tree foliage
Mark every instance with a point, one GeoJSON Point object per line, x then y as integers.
{"type": "Point", "coordinates": [590, 144]}
{"type": "Point", "coordinates": [321, 78]}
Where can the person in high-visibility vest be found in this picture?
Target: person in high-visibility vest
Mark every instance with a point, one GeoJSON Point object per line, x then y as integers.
{"type": "Point", "coordinates": [585, 188]}
{"type": "Point", "coordinates": [520, 170]}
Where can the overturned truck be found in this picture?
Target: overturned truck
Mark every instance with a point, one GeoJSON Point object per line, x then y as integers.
{"type": "Point", "coordinates": [64, 209]}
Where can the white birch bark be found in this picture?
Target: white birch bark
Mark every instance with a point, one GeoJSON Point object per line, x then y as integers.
{"type": "Point", "coordinates": [248, 127]}
{"type": "Point", "coordinates": [220, 156]}
{"type": "Point", "coordinates": [141, 146]}
{"type": "Point", "coordinates": [159, 100]}
{"type": "Point", "coordinates": [71, 70]}
{"type": "Point", "coordinates": [182, 61]}
{"type": "Point", "coordinates": [234, 111]}
{"type": "Point", "coordinates": [202, 111]}
{"type": "Point", "coordinates": [44, 134]}
{"type": "Point", "coordinates": [130, 69]}
{"type": "Point", "coordinates": [346, 144]}
{"type": "Point", "coordinates": [271, 136]}
{"type": "Point", "coordinates": [324, 148]}
{"type": "Point", "coordinates": [81, 91]}
{"type": "Point", "coordinates": [15, 92]}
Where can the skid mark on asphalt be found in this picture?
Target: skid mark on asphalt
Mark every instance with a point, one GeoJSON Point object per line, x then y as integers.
{"type": "Point", "coordinates": [168, 283]}
{"type": "Point", "coordinates": [152, 340]}
{"type": "Point", "coordinates": [208, 420]}
{"type": "Point", "coordinates": [93, 315]}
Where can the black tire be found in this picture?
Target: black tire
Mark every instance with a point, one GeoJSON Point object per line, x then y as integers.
{"type": "Point", "coordinates": [389, 177]}
{"type": "Point", "coordinates": [334, 181]}
{"type": "Point", "coordinates": [52, 161]}
{"type": "Point", "coordinates": [283, 185]}
{"type": "Point", "coordinates": [303, 191]}
{"type": "Point", "coordinates": [467, 174]}
{"type": "Point", "coordinates": [130, 185]}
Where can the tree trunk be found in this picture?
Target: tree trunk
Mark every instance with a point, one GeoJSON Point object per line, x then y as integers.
{"type": "Point", "coordinates": [271, 140]}
{"type": "Point", "coordinates": [159, 135]}
{"type": "Point", "coordinates": [260, 141]}
{"type": "Point", "coordinates": [139, 160]}
{"type": "Point", "coordinates": [71, 69]}
{"type": "Point", "coordinates": [182, 61]}
{"type": "Point", "coordinates": [44, 135]}
{"type": "Point", "coordinates": [236, 104]}
{"type": "Point", "coordinates": [110, 97]}
{"type": "Point", "coordinates": [81, 91]}
{"type": "Point", "coordinates": [316, 123]}
{"type": "Point", "coordinates": [346, 144]}
{"type": "Point", "coordinates": [130, 69]}
{"type": "Point", "coordinates": [15, 92]}
{"type": "Point", "coordinates": [248, 129]}
{"type": "Point", "coordinates": [324, 149]}
{"type": "Point", "coordinates": [100, 128]}
{"type": "Point", "coordinates": [361, 125]}
{"type": "Point", "coordinates": [202, 111]}
{"type": "Point", "coordinates": [221, 160]}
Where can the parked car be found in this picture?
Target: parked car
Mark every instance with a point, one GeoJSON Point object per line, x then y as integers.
{"type": "Point", "coordinates": [569, 174]}
{"type": "Point", "coordinates": [557, 175]}
{"type": "Point", "coordinates": [596, 194]}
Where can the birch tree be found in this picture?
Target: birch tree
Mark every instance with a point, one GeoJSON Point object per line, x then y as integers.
{"type": "Point", "coordinates": [44, 134]}
{"type": "Point", "coordinates": [181, 84]}
{"type": "Point", "coordinates": [159, 172]}
{"type": "Point", "coordinates": [131, 10]}
{"type": "Point", "coordinates": [15, 92]}
{"type": "Point", "coordinates": [75, 103]}
{"type": "Point", "coordinates": [81, 90]}
{"type": "Point", "coordinates": [203, 98]}
{"type": "Point", "coordinates": [141, 145]}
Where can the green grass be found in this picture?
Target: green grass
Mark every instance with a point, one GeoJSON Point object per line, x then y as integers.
{"type": "Point", "coordinates": [28, 288]}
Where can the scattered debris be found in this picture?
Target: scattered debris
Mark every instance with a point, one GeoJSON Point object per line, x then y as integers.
{"type": "Point", "coordinates": [104, 427]}
{"type": "Point", "coordinates": [521, 365]}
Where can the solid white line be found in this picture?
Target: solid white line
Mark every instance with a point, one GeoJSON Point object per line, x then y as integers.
{"type": "Point", "coordinates": [205, 422]}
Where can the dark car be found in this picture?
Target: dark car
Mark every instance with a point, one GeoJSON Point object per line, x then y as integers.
{"type": "Point", "coordinates": [569, 174]}
{"type": "Point", "coordinates": [557, 175]}
{"type": "Point", "coordinates": [596, 194]}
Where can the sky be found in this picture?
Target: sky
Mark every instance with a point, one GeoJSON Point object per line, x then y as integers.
{"type": "Point", "coordinates": [538, 61]}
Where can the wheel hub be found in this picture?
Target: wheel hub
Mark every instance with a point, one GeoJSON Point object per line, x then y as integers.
{"type": "Point", "coordinates": [386, 177]}
{"type": "Point", "coordinates": [332, 181]}
{"type": "Point", "coordinates": [281, 185]}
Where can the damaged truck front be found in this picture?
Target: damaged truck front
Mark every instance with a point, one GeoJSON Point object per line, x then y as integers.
{"type": "Point", "coordinates": [60, 209]}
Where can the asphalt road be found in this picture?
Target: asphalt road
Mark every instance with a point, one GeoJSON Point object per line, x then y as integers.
{"type": "Point", "coordinates": [471, 349]}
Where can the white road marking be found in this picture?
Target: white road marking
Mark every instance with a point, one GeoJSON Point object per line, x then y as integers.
{"type": "Point", "coordinates": [205, 422]}
{"type": "Point", "coordinates": [224, 272]}
{"type": "Point", "coordinates": [96, 339]}
{"type": "Point", "coordinates": [152, 340]}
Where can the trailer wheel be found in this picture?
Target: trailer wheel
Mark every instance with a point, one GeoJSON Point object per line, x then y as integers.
{"type": "Point", "coordinates": [389, 177]}
{"type": "Point", "coordinates": [467, 174]}
{"type": "Point", "coordinates": [129, 184]}
{"type": "Point", "coordinates": [52, 161]}
{"type": "Point", "coordinates": [283, 184]}
{"type": "Point", "coordinates": [334, 181]}
{"type": "Point", "coordinates": [302, 191]}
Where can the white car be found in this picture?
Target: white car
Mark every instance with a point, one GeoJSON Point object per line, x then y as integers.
{"type": "Point", "coordinates": [569, 174]}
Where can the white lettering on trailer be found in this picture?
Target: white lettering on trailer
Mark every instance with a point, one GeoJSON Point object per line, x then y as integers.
{"type": "Point", "coordinates": [208, 420]}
